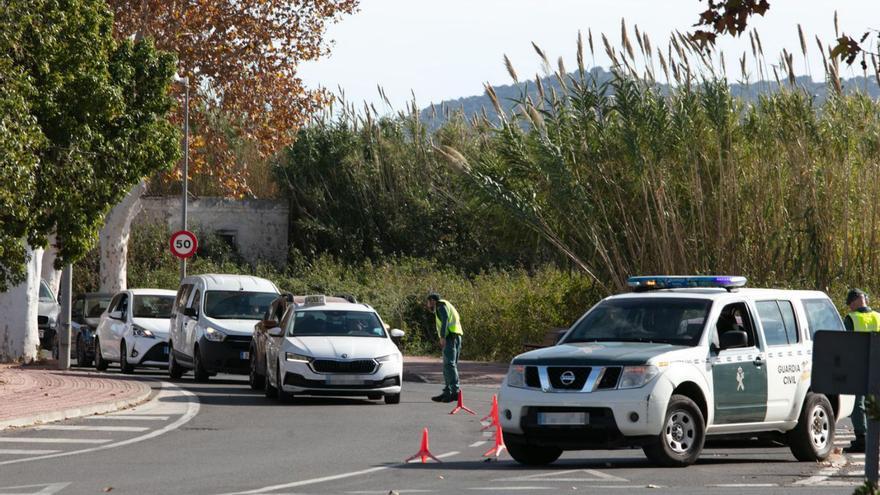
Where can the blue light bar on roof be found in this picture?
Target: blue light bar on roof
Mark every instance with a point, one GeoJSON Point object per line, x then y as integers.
{"type": "Point", "coordinates": [682, 282]}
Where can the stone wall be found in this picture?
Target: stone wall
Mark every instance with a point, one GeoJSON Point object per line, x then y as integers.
{"type": "Point", "coordinates": [257, 228]}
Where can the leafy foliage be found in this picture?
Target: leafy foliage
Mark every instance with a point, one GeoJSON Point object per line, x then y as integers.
{"type": "Point", "coordinates": [91, 119]}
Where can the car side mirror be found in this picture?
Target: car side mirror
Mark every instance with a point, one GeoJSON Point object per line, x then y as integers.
{"type": "Point", "coordinates": [275, 331]}
{"type": "Point", "coordinates": [397, 333]}
{"type": "Point", "coordinates": [116, 315]}
{"type": "Point", "coordinates": [191, 312]}
{"type": "Point", "coordinates": [734, 339]}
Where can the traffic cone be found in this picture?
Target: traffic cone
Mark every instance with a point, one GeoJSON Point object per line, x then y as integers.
{"type": "Point", "coordinates": [424, 452]}
{"type": "Point", "coordinates": [461, 406]}
{"type": "Point", "coordinates": [495, 451]}
{"type": "Point", "coordinates": [493, 418]}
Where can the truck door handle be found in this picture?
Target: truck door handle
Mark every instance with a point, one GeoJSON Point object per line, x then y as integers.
{"type": "Point", "coordinates": [759, 360]}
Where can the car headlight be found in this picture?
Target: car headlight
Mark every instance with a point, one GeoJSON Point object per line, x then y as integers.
{"type": "Point", "coordinates": [142, 332]}
{"type": "Point", "coordinates": [292, 356]}
{"type": "Point", "coordinates": [391, 358]}
{"type": "Point", "coordinates": [214, 335]}
{"type": "Point", "coordinates": [516, 376]}
{"type": "Point", "coordinates": [637, 376]}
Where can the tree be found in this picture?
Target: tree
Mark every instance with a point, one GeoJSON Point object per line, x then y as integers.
{"type": "Point", "coordinates": [242, 57]}
{"type": "Point", "coordinates": [88, 117]}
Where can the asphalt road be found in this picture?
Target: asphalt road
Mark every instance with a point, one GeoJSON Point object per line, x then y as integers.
{"type": "Point", "coordinates": [221, 437]}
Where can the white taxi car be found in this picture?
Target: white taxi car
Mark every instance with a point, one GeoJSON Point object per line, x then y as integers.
{"type": "Point", "coordinates": [674, 361]}
{"type": "Point", "coordinates": [133, 331]}
{"type": "Point", "coordinates": [327, 346]}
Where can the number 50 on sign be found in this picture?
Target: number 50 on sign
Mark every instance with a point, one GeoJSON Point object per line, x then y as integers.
{"type": "Point", "coordinates": [183, 244]}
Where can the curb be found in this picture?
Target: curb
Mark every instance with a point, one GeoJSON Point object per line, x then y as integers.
{"type": "Point", "coordinates": [76, 412]}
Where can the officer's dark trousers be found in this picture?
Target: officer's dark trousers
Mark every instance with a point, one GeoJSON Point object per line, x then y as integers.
{"type": "Point", "coordinates": [450, 363]}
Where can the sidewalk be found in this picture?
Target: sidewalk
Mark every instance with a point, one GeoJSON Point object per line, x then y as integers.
{"type": "Point", "coordinates": [429, 369]}
{"type": "Point", "coordinates": [31, 395]}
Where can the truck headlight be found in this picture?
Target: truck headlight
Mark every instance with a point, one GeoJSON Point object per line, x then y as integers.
{"type": "Point", "coordinates": [142, 332]}
{"type": "Point", "coordinates": [298, 358]}
{"type": "Point", "coordinates": [516, 376]}
{"type": "Point", "coordinates": [637, 376]}
{"type": "Point", "coordinates": [214, 335]}
{"type": "Point", "coordinates": [391, 358]}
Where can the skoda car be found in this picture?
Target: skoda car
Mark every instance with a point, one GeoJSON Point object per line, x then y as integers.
{"type": "Point", "coordinates": [327, 346]}
{"type": "Point", "coordinates": [134, 330]}
{"type": "Point", "coordinates": [670, 363]}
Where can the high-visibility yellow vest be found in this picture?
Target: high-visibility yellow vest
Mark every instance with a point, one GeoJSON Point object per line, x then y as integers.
{"type": "Point", "coordinates": [453, 323]}
{"type": "Point", "coordinates": [865, 321]}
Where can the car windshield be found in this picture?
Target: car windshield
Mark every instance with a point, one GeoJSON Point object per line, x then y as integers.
{"type": "Point", "coordinates": [152, 306]}
{"type": "Point", "coordinates": [237, 305]}
{"type": "Point", "coordinates": [96, 306]}
{"type": "Point", "coordinates": [45, 293]}
{"type": "Point", "coordinates": [336, 324]}
{"type": "Point", "coordinates": [659, 320]}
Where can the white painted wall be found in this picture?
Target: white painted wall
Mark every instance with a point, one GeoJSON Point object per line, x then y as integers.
{"type": "Point", "coordinates": [19, 337]}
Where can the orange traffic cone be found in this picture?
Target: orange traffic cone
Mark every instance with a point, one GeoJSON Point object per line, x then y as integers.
{"type": "Point", "coordinates": [492, 416]}
{"type": "Point", "coordinates": [461, 406]}
{"type": "Point", "coordinates": [495, 451]}
{"type": "Point", "coordinates": [424, 452]}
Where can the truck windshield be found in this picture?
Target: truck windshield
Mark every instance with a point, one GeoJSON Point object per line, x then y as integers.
{"type": "Point", "coordinates": [237, 305]}
{"type": "Point", "coordinates": [336, 324]}
{"type": "Point", "coordinates": [659, 320]}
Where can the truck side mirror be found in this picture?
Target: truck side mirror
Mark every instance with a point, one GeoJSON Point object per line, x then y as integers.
{"type": "Point", "coordinates": [734, 339]}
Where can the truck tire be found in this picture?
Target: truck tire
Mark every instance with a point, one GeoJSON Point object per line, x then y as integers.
{"type": "Point", "coordinates": [532, 455]}
{"type": "Point", "coordinates": [175, 371]}
{"type": "Point", "coordinates": [200, 374]}
{"type": "Point", "coordinates": [813, 438]}
{"type": "Point", "coordinates": [681, 440]}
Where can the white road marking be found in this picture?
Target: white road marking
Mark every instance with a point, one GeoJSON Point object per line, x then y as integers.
{"type": "Point", "coordinates": [744, 485]}
{"type": "Point", "coordinates": [819, 477]}
{"type": "Point", "coordinates": [131, 417]}
{"type": "Point", "coordinates": [506, 488]}
{"type": "Point", "coordinates": [53, 440]}
{"type": "Point", "coordinates": [334, 477]}
{"type": "Point", "coordinates": [90, 428]}
{"type": "Point", "coordinates": [46, 489]}
{"type": "Point", "coordinates": [385, 492]}
{"type": "Point", "coordinates": [477, 444]}
{"type": "Point", "coordinates": [26, 452]}
{"type": "Point", "coordinates": [594, 475]}
{"type": "Point", "coordinates": [172, 395]}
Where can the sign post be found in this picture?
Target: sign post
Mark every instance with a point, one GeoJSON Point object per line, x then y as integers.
{"type": "Point", "coordinates": [849, 363]}
{"type": "Point", "coordinates": [183, 244]}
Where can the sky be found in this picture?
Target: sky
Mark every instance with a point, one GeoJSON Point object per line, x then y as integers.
{"type": "Point", "coordinates": [448, 49]}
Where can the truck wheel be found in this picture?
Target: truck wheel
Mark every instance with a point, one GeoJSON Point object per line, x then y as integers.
{"type": "Point", "coordinates": [531, 455]}
{"type": "Point", "coordinates": [813, 437]}
{"type": "Point", "coordinates": [100, 363]}
{"type": "Point", "coordinates": [175, 371]}
{"type": "Point", "coordinates": [255, 379]}
{"type": "Point", "coordinates": [684, 431]}
{"type": "Point", "coordinates": [199, 372]}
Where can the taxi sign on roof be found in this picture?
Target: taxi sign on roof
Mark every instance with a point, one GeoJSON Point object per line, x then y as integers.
{"type": "Point", "coordinates": [315, 300]}
{"type": "Point", "coordinates": [683, 282]}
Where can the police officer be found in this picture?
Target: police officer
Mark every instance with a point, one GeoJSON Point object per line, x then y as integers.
{"type": "Point", "coordinates": [861, 318]}
{"type": "Point", "coordinates": [449, 331]}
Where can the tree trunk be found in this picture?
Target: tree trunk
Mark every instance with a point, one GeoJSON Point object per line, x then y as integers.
{"type": "Point", "coordinates": [114, 241]}
{"type": "Point", "coordinates": [49, 273]}
{"type": "Point", "coordinates": [19, 337]}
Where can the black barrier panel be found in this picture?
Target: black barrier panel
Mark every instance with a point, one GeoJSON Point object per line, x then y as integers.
{"type": "Point", "coordinates": [840, 361]}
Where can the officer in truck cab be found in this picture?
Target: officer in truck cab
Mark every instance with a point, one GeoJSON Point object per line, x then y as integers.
{"type": "Point", "coordinates": [861, 318]}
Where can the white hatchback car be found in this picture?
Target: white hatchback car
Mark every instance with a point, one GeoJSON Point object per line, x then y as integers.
{"type": "Point", "coordinates": [134, 330]}
{"type": "Point", "coordinates": [330, 349]}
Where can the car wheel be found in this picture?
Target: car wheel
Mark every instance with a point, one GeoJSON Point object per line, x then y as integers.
{"type": "Point", "coordinates": [255, 379]}
{"type": "Point", "coordinates": [100, 363]}
{"type": "Point", "coordinates": [269, 390]}
{"type": "Point", "coordinates": [531, 455]}
{"type": "Point", "coordinates": [684, 431]}
{"type": "Point", "coordinates": [282, 396]}
{"type": "Point", "coordinates": [175, 370]}
{"type": "Point", "coordinates": [127, 367]}
{"type": "Point", "coordinates": [81, 359]}
{"type": "Point", "coordinates": [392, 398]}
{"type": "Point", "coordinates": [813, 438]}
{"type": "Point", "coordinates": [199, 372]}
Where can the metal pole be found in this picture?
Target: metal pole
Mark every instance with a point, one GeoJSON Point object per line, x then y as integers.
{"type": "Point", "coordinates": [64, 330]}
{"type": "Point", "coordinates": [185, 166]}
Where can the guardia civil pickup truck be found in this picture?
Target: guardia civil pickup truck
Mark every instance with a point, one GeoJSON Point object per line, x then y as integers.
{"type": "Point", "coordinates": [670, 363]}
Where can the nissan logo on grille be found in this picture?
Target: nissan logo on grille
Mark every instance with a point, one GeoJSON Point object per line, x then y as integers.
{"type": "Point", "coordinates": [567, 378]}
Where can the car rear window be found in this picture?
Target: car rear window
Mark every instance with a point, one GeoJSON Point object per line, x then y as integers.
{"type": "Point", "coordinates": [822, 315]}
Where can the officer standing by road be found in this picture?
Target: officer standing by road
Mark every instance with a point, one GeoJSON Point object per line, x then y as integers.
{"type": "Point", "coordinates": [861, 318]}
{"type": "Point", "coordinates": [449, 331]}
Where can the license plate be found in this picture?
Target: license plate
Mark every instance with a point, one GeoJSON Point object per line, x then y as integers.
{"type": "Point", "coordinates": [344, 380]}
{"type": "Point", "coordinates": [563, 418]}
{"type": "Point", "coordinates": [245, 355]}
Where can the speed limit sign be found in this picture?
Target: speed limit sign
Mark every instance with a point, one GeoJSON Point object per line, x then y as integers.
{"type": "Point", "coordinates": [183, 244]}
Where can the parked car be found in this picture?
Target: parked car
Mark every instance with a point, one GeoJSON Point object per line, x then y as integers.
{"type": "Point", "coordinates": [212, 323]}
{"type": "Point", "coordinates": [85, 315]}
{"type": "Point", "coordinates": [134, 330]}
{"type": "Point", "coordinates": [326, 346]}
{"type": "Point", "coordinates": [47, 316]}
{"type": "Point", "coordinates": [677, 360]}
